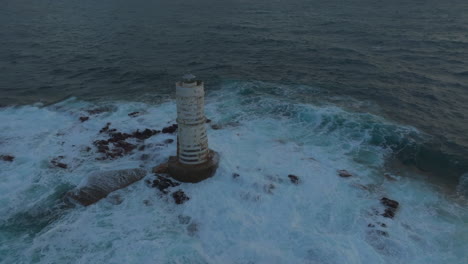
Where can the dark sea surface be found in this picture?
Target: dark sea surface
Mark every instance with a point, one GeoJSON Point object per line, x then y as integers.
{"type": "Point", "coordinates": [404, 60]}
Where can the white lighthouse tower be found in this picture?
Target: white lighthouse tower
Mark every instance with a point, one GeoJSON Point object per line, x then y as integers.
{"type": "Point", "coordinates": [195, 161]}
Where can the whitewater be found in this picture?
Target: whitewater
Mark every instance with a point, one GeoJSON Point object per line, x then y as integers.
{"type": "Point", "coordinates": [249, 212]}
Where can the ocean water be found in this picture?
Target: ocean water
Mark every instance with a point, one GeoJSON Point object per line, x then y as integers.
{"type": "Point", "coordinates": [258, 217]}
{"type": "Point", "coordinates": [303, 87]}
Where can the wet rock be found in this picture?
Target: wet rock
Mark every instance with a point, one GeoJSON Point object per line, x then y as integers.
{"type": "Point", "coordinates": [134, 114]}
{"type": "Point", "coordinates": [344, 173]}
{"type": "Point", "coordinates": [389, 213]}
{"type": "Point", "coordinates": [147, 202]}
{"type": "Point", "coordinates": [168, 141]}
{"type": "Point", "coordinates": [163, 184]}
{"type": "Point", "coordinates": [216, 127]}
{"type": "Point", "coordinates": [8, 158]}
{"type": "Point", "coordinates": [100, 184]}
{"type": "Point", "coordinates": [208, 120]}
{"type": "Point", "coordinates": [105, 128]}
{"type": "Point", "coordinates": [170, 129]}
{"type": "Point", "coordinates": [235, 175]}
{"type": "Point", "coordinates": [180, 197]}
{"type": "Point", "coordinates": [142, 147]}
{"type": "Point", "coordinates": [370, 225]}
{"type": "Point", "coordinates": [293, 178]}
{"type": "Point", "coordinates": [145, 134]}
{"type": "Point", "coordinates": [84, 118]}
{"type": "Point", "coordinates": [389, 203]}
{"type": "Point", "coordinates": [161, 168]}
{"type": "Point", "coordinates": [56, 163]}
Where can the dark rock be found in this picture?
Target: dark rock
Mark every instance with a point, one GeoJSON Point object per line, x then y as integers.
{"type": "Point", "coordinates": [84, 118]}
{"type": "Point", "coordinates": [216, 127]}
{"type": "Point", "coordinates": [208, 120]}
{"type": "Point", "coordinates": [180, 197]}
{"type": "Point", "coordinates": [389, 213]}
{"type": "Point", "coordinates": [370, 225]}
{"type": "Point", "coordinates": [168, 141]}
{"type": "Point", "coordinates": [145, 134]}
{"type": "Point", "coordinates": [126, 147]}
{"type": "Point", "coordinates": [161, 168]}
{"type": "Point", "coordinates": [105, 128]}
{"type": "Point", "coordinates": [57, 163]}
{"type": "Point", "coordinates": [99, 184]}
{"type": "Point", "coordinates": [142, 147]}
{"type": "Point", "coordinates": [344, 173]}
{"type": "Point", "coordinates": [293, 178]}
{"type": "Point", "coordinates": [170, 129]}
{"type": "Point", "coordinates": [7, 158]}
{"type": "Point", "coordinates": [389, 203]}
{"type": "Point", "coordinates": [134, 114]}
{"type": "Point", "coordinates": [163, 183]}
{"type": "Point", "coordinates": [235, 175]}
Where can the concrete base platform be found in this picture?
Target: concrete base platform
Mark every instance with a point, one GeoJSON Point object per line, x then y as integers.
{"type": "Point", "coordinates": [193, 173]}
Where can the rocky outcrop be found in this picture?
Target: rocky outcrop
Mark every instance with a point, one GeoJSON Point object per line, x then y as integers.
{"type": "Point", "coordinates": [8, 158]}
{"type": "Point", "coordinates": [344, 173]}
{"type": "Point", "coordinates": [116, 145]}
{"type": "Point", "coordinates": [99, 184]}
{"type": "Point", "coordinates": [293, 178]}
{"type": "Point", "coordinates": [180, 197]}
{"type": "Point", "coordinates": [391, 207]}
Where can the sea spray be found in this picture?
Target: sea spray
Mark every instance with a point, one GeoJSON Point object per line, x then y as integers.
{"type": "Point", "coordinates": [259, 216]}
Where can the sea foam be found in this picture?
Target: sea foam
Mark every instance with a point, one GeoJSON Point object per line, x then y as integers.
{"type": "Point", "coordinates": [258, 217]}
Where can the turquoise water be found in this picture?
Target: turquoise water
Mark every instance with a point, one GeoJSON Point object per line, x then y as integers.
{"type": "Point", "coordinates": [258, 217]}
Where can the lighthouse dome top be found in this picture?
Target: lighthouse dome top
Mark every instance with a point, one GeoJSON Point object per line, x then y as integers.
{"type": "Point", "coordinates": [189, 78]}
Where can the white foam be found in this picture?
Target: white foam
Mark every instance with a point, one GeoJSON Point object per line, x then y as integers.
{"type": "Point", "coordinates": [259, 217]}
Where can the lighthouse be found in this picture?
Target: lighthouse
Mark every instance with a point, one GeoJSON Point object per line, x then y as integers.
{"type": "Point", "coordinates": [194, 161]}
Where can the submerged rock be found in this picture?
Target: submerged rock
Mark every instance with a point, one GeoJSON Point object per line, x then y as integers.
{"type": "Point", "coordinates": [56, 163]}
{"type": "Point", "coordinates": [8, 158]}
{"type": "Point", "coordinates": [134, 114]}
{"type": "Point", "coordinates": [293, 178]}
{"type": "Point", "coordinates": [389, 202]}
{"type": "Point", "coordinates": [391, 205]}
{"type": "Point", "coordinates": [99, 184]}
{"type": "Point", "coordinates": [180, 197]}
{"type": "Point", "coordinates": [170, 129]}
{"type": "Point", "coordinates": [84, 118]}
{"type": "Point", "coordinates": [163, 183]}
{"type": "Point", "coordinates": [344, 173]}
{"type": "Point", "coordinates": [116, 145]}
{"type": "Point", "coordinates": [168, 141]}
{"type": "Point", "coordinates": [235, 175]}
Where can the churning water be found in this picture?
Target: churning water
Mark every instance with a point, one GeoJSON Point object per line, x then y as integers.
{"type": "Point", "coordinates": [294, 87]}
